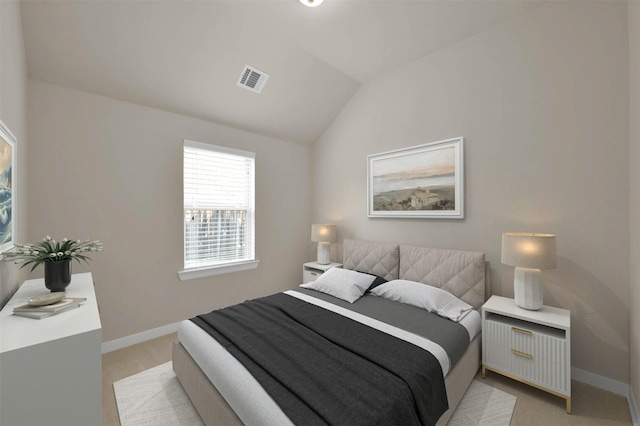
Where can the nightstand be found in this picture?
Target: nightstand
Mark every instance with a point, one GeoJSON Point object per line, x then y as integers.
{"type": "Point", "coordinates": [312, 270]}
{"type": "Point", "coordinates": [532, 347]}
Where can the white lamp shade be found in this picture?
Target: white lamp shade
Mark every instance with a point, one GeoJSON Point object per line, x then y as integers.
{"type": "Point", "coordinates": [323, 233]}
{"type": "Point", "coordinates": [311, 3]}
{"type": "Point", "coordinates": [529, 250]}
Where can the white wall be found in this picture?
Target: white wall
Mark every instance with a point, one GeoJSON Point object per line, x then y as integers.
{"type": "Point", "coordinates": [110, 170]}
{"type": "Point", "coordinates": [13, 113]}
{"type": "Point", "coordinates": [542, 102]}
{"type": "Point", "coordinates": [634, 192]}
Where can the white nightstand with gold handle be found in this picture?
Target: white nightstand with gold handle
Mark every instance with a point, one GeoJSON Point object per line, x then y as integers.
{"type": "Point", "coordinates": [533, 347]}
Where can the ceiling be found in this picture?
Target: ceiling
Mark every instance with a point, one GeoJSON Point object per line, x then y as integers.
{"type": "Point", "coordinates": [186, 56]}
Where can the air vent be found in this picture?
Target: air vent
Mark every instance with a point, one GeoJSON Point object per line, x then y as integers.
{"type": "Point", "coordinates": [252, 79]}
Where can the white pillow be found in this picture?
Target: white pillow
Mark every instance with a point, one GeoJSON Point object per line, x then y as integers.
{"type": "Point", "coordinates": [424, 296]}
{"type": "Point", "coordinates": [344, 284]}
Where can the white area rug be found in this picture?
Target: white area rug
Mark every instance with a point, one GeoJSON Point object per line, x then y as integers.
{"type": "Point", "coordinates": [483, 405]}
{"type": "Point", "coordinates": [155, 397]}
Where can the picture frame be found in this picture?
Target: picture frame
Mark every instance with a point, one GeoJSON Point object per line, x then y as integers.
{"type": "Point", "coordinates": [423, 181]}
{"type": "Point", "coordinates": [7, 188]}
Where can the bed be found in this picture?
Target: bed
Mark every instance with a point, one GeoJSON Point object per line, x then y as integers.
{"type": "Point", "coordinates": [202, 364]}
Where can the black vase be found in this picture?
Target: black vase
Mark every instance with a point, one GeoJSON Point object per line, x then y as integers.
{"type": "Point", "coordinates": [57, 275]}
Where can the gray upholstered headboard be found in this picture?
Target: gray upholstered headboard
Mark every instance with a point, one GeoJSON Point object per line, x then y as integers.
{"type": "Point", "coordinates": [462, 273]}
{"type": "Point", "coordinates": [380, 259]}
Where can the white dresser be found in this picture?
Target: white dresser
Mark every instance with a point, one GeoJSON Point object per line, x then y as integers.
{"type": "Point", "coordinates": [533, 347]}
{"type": "Point", "coordinates": [51, 368]}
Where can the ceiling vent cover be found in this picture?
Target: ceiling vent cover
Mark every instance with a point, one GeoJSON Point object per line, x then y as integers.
{"type": "Point", "coordinates": [252, 79]}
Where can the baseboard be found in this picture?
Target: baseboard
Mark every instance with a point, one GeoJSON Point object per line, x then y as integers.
{"type": "Point", "coordinates": [601, 382]}
{"type": "Point", "coordinates": [610, 385]}
{"type": "Point", "coordinates": [133, 339]}
{"type": "Point", "coordinates": [633, 407]}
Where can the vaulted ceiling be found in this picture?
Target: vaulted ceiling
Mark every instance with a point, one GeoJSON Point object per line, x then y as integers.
{"type": "Point", "coordinates": [186, 56]}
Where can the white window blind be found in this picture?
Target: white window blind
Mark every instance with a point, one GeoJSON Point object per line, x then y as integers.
{"type": "Point", "coordinates": [219, 204]}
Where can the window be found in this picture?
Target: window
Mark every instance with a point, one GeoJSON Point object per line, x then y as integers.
{"type": "Point", "coordinates": [219, 211]}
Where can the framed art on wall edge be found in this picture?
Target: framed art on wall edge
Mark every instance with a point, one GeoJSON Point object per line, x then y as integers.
{"type": "Point", "coordinates": [7, 188]}
{"type": "Point", "coordinates": [424, 181]}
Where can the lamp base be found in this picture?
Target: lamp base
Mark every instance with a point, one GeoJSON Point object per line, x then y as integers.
{"type": "Point", "coordinates": [527, 288]}
{"type": "Point", "coordinates": [324, 253]}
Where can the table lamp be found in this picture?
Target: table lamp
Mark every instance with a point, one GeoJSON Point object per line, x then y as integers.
{"type": "Point", "coordinates": [324, 235]}
{"type": "Point", "coordinates": [529, 253]}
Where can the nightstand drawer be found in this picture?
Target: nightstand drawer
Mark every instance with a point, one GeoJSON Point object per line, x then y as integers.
{"type": "Point", "coordinates": [530, 367]}
{"type": "Point", "coordinates": [539, 341]}
{"type": "Point", "coordinates": [310, 275]}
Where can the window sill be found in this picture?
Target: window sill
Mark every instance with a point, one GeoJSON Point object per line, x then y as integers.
{"type": "Point", "coordinates": [208, 271]}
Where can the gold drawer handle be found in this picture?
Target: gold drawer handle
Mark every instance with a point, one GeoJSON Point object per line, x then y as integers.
{"type": "Point", "coordinates": [522, 354]}
{"type": "Point", "coordinates": [519, 330]}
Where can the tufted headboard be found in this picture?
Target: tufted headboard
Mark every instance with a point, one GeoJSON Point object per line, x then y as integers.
{"type": "Point", "coordinates": [461, 273]}
{"type": "Point", "coordinates": [380, 259]}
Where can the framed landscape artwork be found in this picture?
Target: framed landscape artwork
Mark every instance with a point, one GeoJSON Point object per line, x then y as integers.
{"type": "Point", "coordinates": [7, 188]}
{"type": "Point", "coordinates": [424, 181]}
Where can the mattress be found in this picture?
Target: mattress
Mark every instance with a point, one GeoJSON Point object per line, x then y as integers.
{"type": "Point", "coordinates": [234, 382]}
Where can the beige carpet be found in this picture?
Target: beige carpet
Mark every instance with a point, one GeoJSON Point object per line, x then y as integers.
{"type": "Point", "coordinates": [155, 397]}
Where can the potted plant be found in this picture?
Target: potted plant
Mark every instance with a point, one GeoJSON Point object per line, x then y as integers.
{"type": "Point", "coordinates": [56, 256]}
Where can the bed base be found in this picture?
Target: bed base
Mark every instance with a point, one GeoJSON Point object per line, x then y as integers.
{"type": "Point", "coordinates": [215, 411]}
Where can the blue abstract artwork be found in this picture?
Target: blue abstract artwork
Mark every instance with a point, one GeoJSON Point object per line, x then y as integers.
{"type": "Point", "coordinates": [6, 191]}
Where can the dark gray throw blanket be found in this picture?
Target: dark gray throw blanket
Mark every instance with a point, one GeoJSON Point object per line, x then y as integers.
{"type": "Point", "coordinates": [322, 368]}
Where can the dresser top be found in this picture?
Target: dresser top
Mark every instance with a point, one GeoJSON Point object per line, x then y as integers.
{"type": "Point", "coordinates": [17, 332]}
